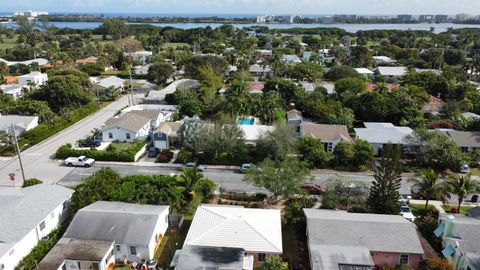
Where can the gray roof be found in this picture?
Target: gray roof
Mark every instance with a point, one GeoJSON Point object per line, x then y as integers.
{"type": "Point", "coordinates": [468, 229]}
{"type": "Point", "coordinates": [75, 249]}
{"type": "Point", "coordinates": [474, 212]}
{"type": "Point", "coordinates": [463, 138]}
{"type": "Point", "coordinates": [21, 210]}
{"type": "Point", "coordinates": [378, 233]}
{"type": "Point", "coordinates": [294, 115]}
{"type": "Point", "coordinates": [113, 81]}
{"type": "Point", "coordinates": [124, 223]}
{"type": "Point", "coordinates": [18, 120]}
{"type": "Point", "coordinates": [129, 121]}
{"type": "Point", "coordinates": [151, 114]}
{"type": "Point", "coordinates": [256, 68]}
{"type": "Point", "coordinates": [383, 133]}
{"type": "Point", "coordinates": [331, 256]}
{"type": "Point", "coordinates": [392, 71]}
{"type": "Point", "coordinates": [209, 258]}
{"type": "Point", "coordinates": [326, 133]}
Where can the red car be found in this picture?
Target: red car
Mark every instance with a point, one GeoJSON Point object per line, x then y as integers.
{"type": "Point", "coordinates": [314, 188]}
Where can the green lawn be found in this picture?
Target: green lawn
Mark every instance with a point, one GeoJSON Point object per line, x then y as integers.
{"type": "Point", "coordinates": [172, 241]}
{"type": "Point", "coordinates": [174, 45]}
{"type": "Point", "coordinates": [122, 146]}
{"type": "Point", "coordinates": [463, 209]}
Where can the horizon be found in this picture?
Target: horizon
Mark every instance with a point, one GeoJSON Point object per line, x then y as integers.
{"type": "Point", "coordinates": [247, 7]}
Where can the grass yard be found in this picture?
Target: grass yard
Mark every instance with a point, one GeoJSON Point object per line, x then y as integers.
{"type": "Point", "coordinates": [122, 146]}
{"type": "Point", "coordinates": [174, 45]}
{"type": "Point", "coordinates": [419, 207]}
{"type": "Point", "coordinates": [463, 209]}
{"type": "Point", "coordinates": [172, 241]}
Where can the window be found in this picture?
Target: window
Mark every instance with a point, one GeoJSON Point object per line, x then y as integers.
{"type": "Point", "coordinates": [118, 247]}
{"type": "Point", "coordinates": [261, 257]}
{"type": "Point", "coordinates": [89, 265]}
{"type": "Point", "coordinates": [404, 258]}
{"type": "Point", "coordinates": [110, 135]}
{"type": "Point", "coordinates": [65, 205]}
{"type": "Point", "coordinates": [133, 250]}
{"type": "Point", "coordinates": [42, 226]}
{"type": "Point", "coordinates": [128, 136]}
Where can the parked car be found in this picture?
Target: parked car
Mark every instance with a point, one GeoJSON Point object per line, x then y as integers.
{"type": "Point", "coordinates": [406, 212]}
{"type": "Point", "coordinates": [474, 198]}
{"type": "Point", "coordinates": [465, 169]}
{"type": "Point", "coordinates": [247, 166]}
{"type": "Point", "coordinates": [81, 161]}
{"type": "Point", "coordinates": [314, 188]}
{"type": "Point", "coordinates": [153, 152]}
{"type": "Point", "coordinates": [90, 143]}
{"type": "Point", "coordinates": [191, 165]}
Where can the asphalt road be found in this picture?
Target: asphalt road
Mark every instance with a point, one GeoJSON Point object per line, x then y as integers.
{"type": "Point", "coordinates": [38, 161]}
{"type": "Point", "coordinates": [230, 180]}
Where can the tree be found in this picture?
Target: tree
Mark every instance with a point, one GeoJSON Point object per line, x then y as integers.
{"type": "Point", "coordinates": [454, 56]}
{"type": "Point", "coordinates": [339, 72]}
{"type": "Point", "coordinates": [428, 184]}
{"type": "Point", "coordinates": [114, 27]}
{"type": "Point", "coordinates": [160, 72]}
{"type": "Point", "coordinates": [189, 179]}
{"type": "Point", "coordinates": [217, 63]}
{"type": "Point", "coordinates": [462, 185]}
{"type": "Point", "coordinates": [189, 134]}
{"type": "Point", "coordinates": [313, 152]}
{"type": "Point", "coordinates": [307, 71]}
{"type": "Point", "coordinates": [364, 153]}
{"type": "Point", "coordinates": [348, 89]}
{"type": "Point", "coordinates": [273, 263]}
{"type": "Point", "coordinates": [283, 178]}
{"type": "Point", "coordinates": [276, 144]}
{"type": "Point", "coordinates": [190, 107]}
{"type": "Point", "coordinates": [360, 56]}
{"type": "Point", "coordinates": [224, 141]}
{"type": "Point", "coordinates": [384, 193]}
{"type": "Point", "coordinates": [343, 155]}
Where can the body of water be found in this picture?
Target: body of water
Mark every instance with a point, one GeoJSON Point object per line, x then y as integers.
{"type": "Point", "coordinates": [438, 28]}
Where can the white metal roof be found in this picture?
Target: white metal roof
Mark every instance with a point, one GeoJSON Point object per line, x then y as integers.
{"type": "Point", "coordinates": [364, 71]}
{"type": "Point", "coordinates": [383, 133]}
{"type": "Point", "coordinates": [254, 132]}
{"type": "Point", "coordinates": [392, 71]}
{"type": "Point", "coordinates": [255, 230]}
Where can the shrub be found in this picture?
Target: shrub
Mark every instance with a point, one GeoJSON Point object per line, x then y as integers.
{"type": "Point", "coordinates": [165, 156]}
{"type": "Point", "coordinates": [359, 208]}
{"type": "Point", "coordinates": [110, 154]}
{"type": "Point", "coordinates": [184, 156]}
{"type": "Point", "coordinates": [437, 263]}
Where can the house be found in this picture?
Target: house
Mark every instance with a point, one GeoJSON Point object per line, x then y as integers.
{"type": "Point", "coordinates": [10, 79]}
{"type": "Point", "coordinates": [262, 55]}
{"type": "Point", "coordinates": [33, 79]}
{"type": "Point", "coordinates": [290, 59]}
{"type": "Point", "coordinates": [141, 56]}
{"type": "Point", "coordinates": [308, 87]}
{"type": "Point", "coordinates": [307, 56]}
{"type": "Point", "coordinates": [365, 72]}
{"type": "Point", "coordinates": [330, 87]}
{"type": "Point", "coordinates": [246, 234]}
{"type": "Point", "coordinates": [15, 91]}
{"type": "Point", "coordinates": [391, 72]}
{"type": "Point", "coordinates": [460, 239]}
{"type": "Point", "coordinates": [112, 81]}
{"type": "Point", "coordinates": [295, 120]}
{"type": "Point", "coordinates": [381, 60]}
{"type": "Point", "coordinates": [136, 230]}
{"type": "Point", "coordinates": [257, 70]}
{"type": "Point", "coordinates": [155, 96]}
{"type": "Point", "coordinates": [434, 106]}
{"type": "Point", "coordinates": [20, 123]}
{"type": "Point", "coordinates": [230, 70]}
{"type": "Point", "coordinates": [39, 61]}
{"type": "Point", "coordinates": [212, 258]}
{"type": "Point", "coordinates": [466, 140]}
{"type": "Point", "coordinates": [434, 71]}
{"type": "Point", "coordinates": [165, 135]}
{"type": "Point", "coordinates": [26, 216]}
{"type": "Point", "coordinates": [256, 87]}
{"type": "Point", "coordinates": [329, 135]}
{"type": "Point", "coordinates": [342, 240]}
{"type": "Point", "coordinates": [127, 127]}
{"type": "Point", "coordinates": [254, 132]}
{"type": "Point", "coordinates": [141, 70]}
{"type": "Point", "coordinates": [155, 116]}
{"type": "Point", "coordinates": [381, 134]}
{"type": "Point", "coordinates": [74, 254]}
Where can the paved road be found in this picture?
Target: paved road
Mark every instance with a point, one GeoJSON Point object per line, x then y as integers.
{"type": "Point", "coordinates": [231, 180]}
{"type": "Point", "coordinates": [38, 162]}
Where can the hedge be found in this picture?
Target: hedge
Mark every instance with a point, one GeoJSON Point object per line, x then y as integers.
{"type": "Point", "coordinates": [66, 151]}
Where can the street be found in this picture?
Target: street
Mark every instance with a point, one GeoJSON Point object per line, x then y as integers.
{"type": "Point", "coordinates": [38, 162]}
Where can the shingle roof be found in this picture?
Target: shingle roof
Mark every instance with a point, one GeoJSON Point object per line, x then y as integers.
{"type": "Point", "coordinates": [294, 115]}
{"type": "Point", "coordinates": [129, 121]}
{"type": "Point", "coordinates": [75, 249]}
{"type": "Point", "coordinates": [21, 210]}
{"type": "Point", "coordinates": [124, 223]}
{"type": "Point", "coordinates": [169, 128]}
{"type": "Point", "coordinates": [204, 258]}
{"type": "Point", "coordinates": [255, 230]}
{"type": "Point", "coordinates": [378, 233]}
{"type": "Point", "coordinates": [462, 138]}
{"type": "Point", "coordinates": [327, 133]}
{"type": "Point", "coordinates": [151, 114]}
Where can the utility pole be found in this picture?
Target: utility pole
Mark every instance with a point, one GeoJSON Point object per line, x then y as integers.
{"type": "Point", "coordinates": [131, 87]}
{"type": "Point", "coordinates": [17, 149]}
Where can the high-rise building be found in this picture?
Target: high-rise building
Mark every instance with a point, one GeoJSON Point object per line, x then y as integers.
{"type": "Point", "coordinates": [441, 18]}
{"type": "Point", "coordinates": [404, 17]}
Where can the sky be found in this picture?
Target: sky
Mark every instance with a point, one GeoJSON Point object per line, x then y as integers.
{"type": "Point", "coordinates": [297, 7]}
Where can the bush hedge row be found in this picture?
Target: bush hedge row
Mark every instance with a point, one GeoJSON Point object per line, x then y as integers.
{"type": "Point", "coordinates": [66, 151]}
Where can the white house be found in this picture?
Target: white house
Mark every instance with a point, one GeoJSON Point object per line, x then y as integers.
{"type": "Point", "coordinates": [136, 230]}
{"type": "Point", "coordinates": [112, 81]}
{"type": "Point", "coordinates": [15, 91]}
{"type": "Point", "coordinates": [75, 254]}
{"type": "Point", "coordinates": [392, 72]}
{"type": "Point", "coordinates": [141, 56]}
{"type": "Point", "coordinates": [381, 134]}
{"type": "Point", "coordinates": [127, 127]}
{"type": "Point", "coordinates": [34, 79]}
{"type": "Point", "coordinates": [257, 70]}
{"type": "Point", "coordinates": [39, 61]}
{"type": "Point", "coordinates": [254, 132]}
{"type": "Point", "coordinates": [20, 123]}
{"type": "Point", "coordinates": [461, 239]}
{"type": "Point", "coordinates": [381, 60]}
{"type": "Point", "coordinates": [165, 135]}
{"type": "Point", "coordinates": [364, 72]}
{"type": "Point", "coordinates": [290, 59]}
{"type": "Point", "coordinates": [27, 215]}
{"type": "Point", "coordinates": [250, 234]}
{"type": "Point", "coordinates": [141, 70]}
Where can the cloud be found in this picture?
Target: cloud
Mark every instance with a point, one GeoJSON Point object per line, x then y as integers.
{"type": "Point", "coordinates": [250, 6]}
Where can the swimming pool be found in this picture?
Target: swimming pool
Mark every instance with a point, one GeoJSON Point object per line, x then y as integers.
{"type": "Point", "coordinates": [245, 121]}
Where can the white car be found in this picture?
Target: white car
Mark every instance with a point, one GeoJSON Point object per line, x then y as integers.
{"type": "Point", "coordinates": [465, 169]}
{"type": "Point", "coordinates": [406, 212]}
{"type": "Point", "coordinates": [81, 161]}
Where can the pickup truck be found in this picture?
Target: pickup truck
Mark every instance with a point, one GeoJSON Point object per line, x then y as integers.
{"type": "Point", "coordinates": [81, 161]}
{"type": "Point", "coordinates": [191, 165]}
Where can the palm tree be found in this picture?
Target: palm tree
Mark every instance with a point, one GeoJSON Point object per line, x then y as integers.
{"type": "Point", "coordinates": [428, 184]}
{"type": "Point", "coordinates": [462, 185]}
{"type": "Point", "coordinates": [189, 179]}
